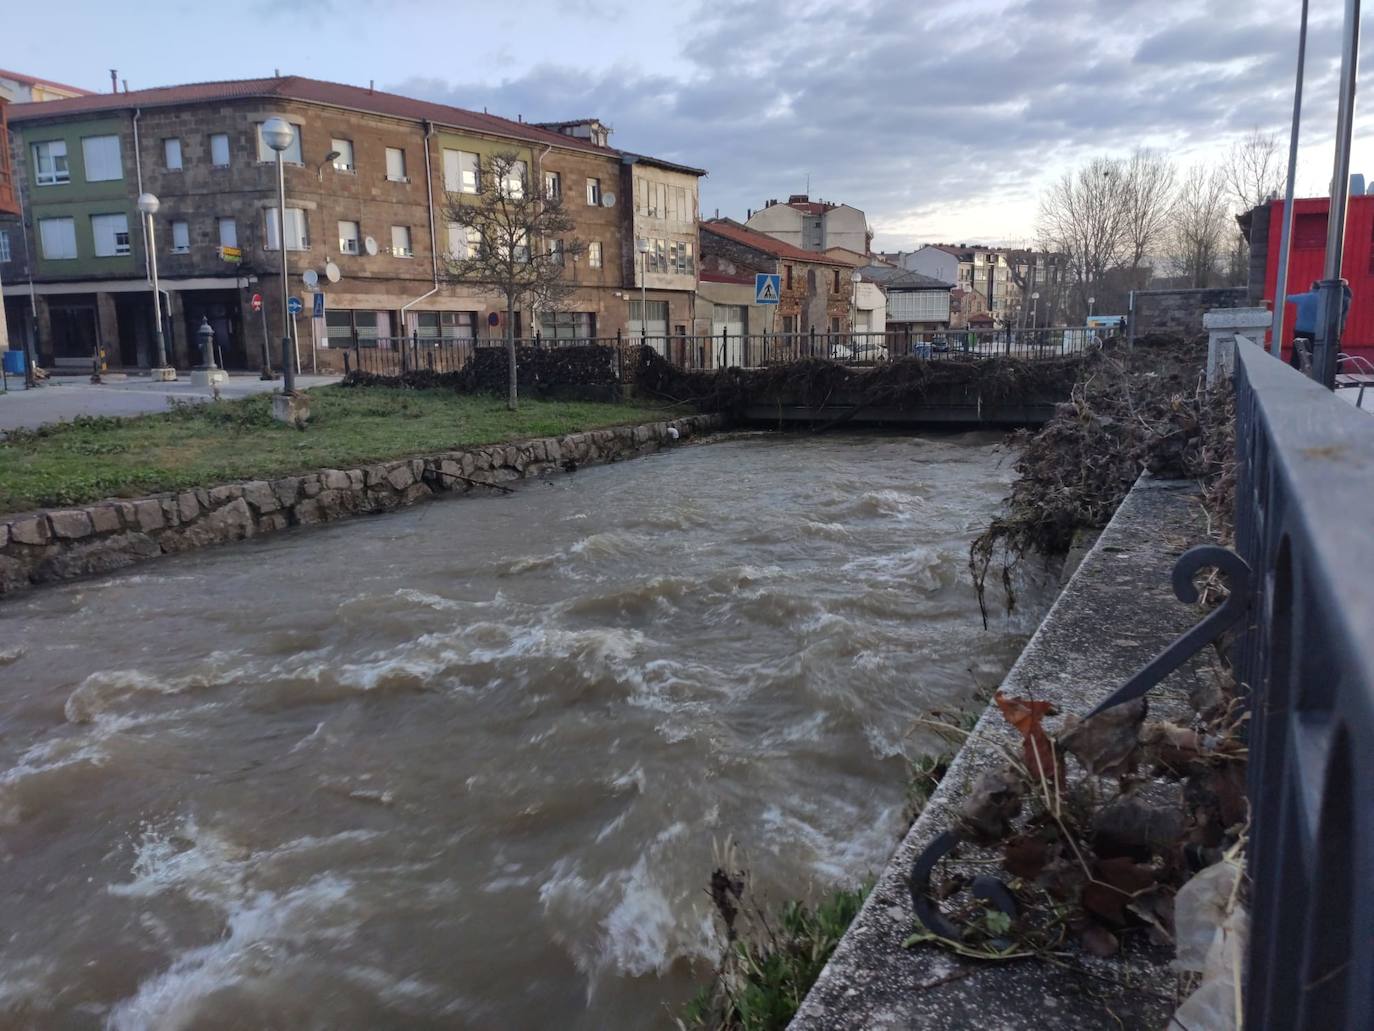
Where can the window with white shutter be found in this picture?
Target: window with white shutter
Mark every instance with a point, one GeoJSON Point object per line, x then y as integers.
{"type": "Point", "coordinates": [462, 171]}
{"type": "Point", "coordinates": [349, 234]}
{"type": "Point", "coordinates": [400, 242]}
{"type": "Point", "coordinates": [110, 234]}
{"type": "Point", "coordinates": [181, 237]}
{"type": "Point", "coordinates": [396, 165]}
{"type": "Point", "coordinates": [219, 149]}
{"type": "Point", "coordinates": [297, 235]}
{"type": "Point", "coordinates": [50, 163]}
{"type": "Point", "coordinates": [57, 236]}
{"type": "Point", "coordinates": [171, 153]}
{"type": "Point", "coordinates": [291, 155]}
{"type": "Point", "coordinates": [228, 232]}
{"type": "Point", "coordinates": [460, 245]}
{"type": "Point", "coordinates": [101, 156]}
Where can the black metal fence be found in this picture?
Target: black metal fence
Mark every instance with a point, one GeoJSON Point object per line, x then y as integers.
{"type": "Point", "coordinates": [1305, 526]}
{"type": "Point", "coordinates": [394, 355]}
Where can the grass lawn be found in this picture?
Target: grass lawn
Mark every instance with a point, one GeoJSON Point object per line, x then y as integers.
{"type": "Point", "coordinates": [200, 445]}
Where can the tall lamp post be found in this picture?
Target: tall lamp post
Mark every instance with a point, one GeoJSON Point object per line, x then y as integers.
{"type": "Point", "coordinates": [855, 278]}
{"type": "Point", "coordinates": [642, 245]}
{"type": "Point", "coordinates": [278, 134]}
{"type": "Point", "coordinates": [1035, 309]}
{"type": "Point", "coordinates": [147, 206]}
{"type": "Point", "coordinates": [1091, 302]}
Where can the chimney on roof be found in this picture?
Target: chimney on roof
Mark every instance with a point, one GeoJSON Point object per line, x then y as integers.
{"type": "Point", "coordinates": [114, 80]}
{"type": "Point", "coordinates": [798, 198]}
{"type": "Point", "coordinates": [276, 73]}
{"type": "Point", "coordinates": [371, 85]}
{"type": "Point", "coordinates": [126, 84]}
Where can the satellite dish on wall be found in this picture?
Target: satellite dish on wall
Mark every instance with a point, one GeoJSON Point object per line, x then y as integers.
{"type": "Point", "coordinates": [608, 200]}
{"type": "Point", "coordinates": [311, 277]}
{"type": "Point", "coordinates": [331, 272]}
{"type": "Point", "coordinates": [370, 245]}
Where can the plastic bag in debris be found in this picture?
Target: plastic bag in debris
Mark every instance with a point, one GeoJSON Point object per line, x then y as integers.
{"type": "Point", "coordinates": [1211, 941]}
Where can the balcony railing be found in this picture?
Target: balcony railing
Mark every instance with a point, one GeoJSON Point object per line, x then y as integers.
{"type": "Point", "coordinates": [1305, 526]}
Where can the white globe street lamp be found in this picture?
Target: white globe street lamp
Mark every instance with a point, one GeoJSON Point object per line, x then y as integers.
{"type": "Point", "coordinates": [278, 135]}
{"type": "Point", "coordinates": [1091, 302]}
{"type": "Point", "coordinates": [642, 245]}
{"type": "Point", "coordinates": [147, 206]}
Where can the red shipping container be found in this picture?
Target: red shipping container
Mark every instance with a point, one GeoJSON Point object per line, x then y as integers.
{"type": "Point", "coordinates": [1307, 262]}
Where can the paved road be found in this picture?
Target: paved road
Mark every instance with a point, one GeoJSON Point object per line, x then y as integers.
{"type": "Point", "coordinates": [63, 398]}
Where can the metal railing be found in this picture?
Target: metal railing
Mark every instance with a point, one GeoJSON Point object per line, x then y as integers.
{"type": "Point", "coordinates": [1304, 505]}
{"type": "Point", "coordinates": [395, 355]}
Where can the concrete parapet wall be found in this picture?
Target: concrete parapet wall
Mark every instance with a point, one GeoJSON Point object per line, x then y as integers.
{"type": "Point", "coordinates": [59, 544]}
{"type": "Point", "coordinates": [1180, 311]}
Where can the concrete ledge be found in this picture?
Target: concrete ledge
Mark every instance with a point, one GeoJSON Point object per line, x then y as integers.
{"type": "Point", "coordinates": [1116, 613]}
{"type": "Point", "coordinates": [59, 544]}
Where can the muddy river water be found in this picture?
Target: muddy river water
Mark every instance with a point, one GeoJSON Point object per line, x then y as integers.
{"type": "Point", "coordinates": [465, 765]}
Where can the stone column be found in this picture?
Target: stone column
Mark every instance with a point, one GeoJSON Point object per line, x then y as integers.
{"type": "Point", "coordinates": [1223, 326]}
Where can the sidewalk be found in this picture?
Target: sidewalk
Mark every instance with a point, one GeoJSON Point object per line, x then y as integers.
{"type": "Point", "coordinates": [66, 397]}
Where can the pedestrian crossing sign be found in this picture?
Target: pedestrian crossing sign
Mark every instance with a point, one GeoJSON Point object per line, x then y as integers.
{"type": "Point", "coordinates": [767, 288]}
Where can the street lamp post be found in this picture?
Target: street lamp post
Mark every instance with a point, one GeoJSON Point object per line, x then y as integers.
{"type": "Point", "coordinates": [278, 134]}
{"type": "Point", "coordinates": [643, 247]}
{"type": "Point", "coordinates": [1091, 302]}
{"type": "Point", "coordinates": [855, 278]}
{"type": "Point", "coordinates": [147, 206]}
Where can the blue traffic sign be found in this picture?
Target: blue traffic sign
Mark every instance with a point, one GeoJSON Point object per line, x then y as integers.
{"type": "Point", "coordinates": [294, 306]}
{"type": "Point", "coordinates": [767, 288]}
{"type": "Point", "coordinates": [318, 311]}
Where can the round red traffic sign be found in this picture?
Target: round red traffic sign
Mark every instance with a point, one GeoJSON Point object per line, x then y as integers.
{"type": "Point", "coordinates": [257, 302]}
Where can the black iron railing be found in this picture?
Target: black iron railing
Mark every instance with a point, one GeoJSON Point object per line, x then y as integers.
{"type": "Point", "coordinates": [394, 355]}
{"type": "Point", "coordinates": [1305, 526]}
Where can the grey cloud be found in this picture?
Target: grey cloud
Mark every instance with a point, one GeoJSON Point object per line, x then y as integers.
{"type": "Point", "coordinates": [915, 125]}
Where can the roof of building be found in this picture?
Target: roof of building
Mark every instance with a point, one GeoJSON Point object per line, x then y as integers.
{"type": "Point", "coordinates": [901, 279]}
{"type": "Point", "coordinates": [730, 230]}
{"type": "Point", "coordinates": [631, 158]}
{"type": "Point", "coordinates": [316, 91]}
{"type": "Point", "coordinates": [33, 80]}
{"type": "Point", "coordinates": [849, 257]}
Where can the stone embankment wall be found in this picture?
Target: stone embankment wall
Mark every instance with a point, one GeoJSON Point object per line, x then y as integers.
{"type": "Point", "coordinates": [1179, 311]}
{"type": "Point", "coordinates": [40, 547]}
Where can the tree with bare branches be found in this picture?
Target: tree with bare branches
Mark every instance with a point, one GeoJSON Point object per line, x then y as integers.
{"type": "Point", "coordinates": [1253, 170]}
{"type": "Point", "coordinates": [1199, 226]}
{"type": "Point", "coordinates": [1148, 193]}
{"type": "Point", "coordinates": [1084, 217]}
{"type": "Point", "coordinates": [514, 241]}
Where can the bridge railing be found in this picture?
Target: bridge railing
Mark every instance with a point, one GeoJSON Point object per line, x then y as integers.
{"type": "Point", "coordinates": [1304, 517]}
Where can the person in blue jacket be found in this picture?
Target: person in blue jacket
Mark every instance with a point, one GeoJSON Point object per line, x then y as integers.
{"type": "Point", "coordinates": [1308, 306]}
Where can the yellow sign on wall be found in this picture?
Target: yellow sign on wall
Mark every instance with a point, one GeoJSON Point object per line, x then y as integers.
{"type": "Point", "coordinates": [231, 253]}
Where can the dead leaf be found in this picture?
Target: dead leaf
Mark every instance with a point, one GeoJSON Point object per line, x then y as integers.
{"type": "Point", "coordinates": [993, 802]}
{"type": "Point", "coordinates": [1106, 744]}
{"type": "Point", "coordinates": [1171, 746]}
{"type": "Point", "coordinates": [1025, 856]}
{"type": "Point", "coordinates": [1215, 801]}
{"type": "Point", "coordinates": [1038, 751]}
{"type": "Point", "coordinates": [1130, 827]}
{"type": "Point", "coordinates": [1116, 883]}
{"type": "Point", "coordinates": [1098, 941]}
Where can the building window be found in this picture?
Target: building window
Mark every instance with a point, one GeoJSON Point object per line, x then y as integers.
{"type": "Point", "coordinates": [101, 155]}
{"type": "Point", "coordinates": [787, 276]}
{"type": "Point", "coordinates": [219, 149]}
{"type": "Point", "coordinates": [567, 325]}
{"type": "Point", "coordinates": [789, 324]}
{"type": "Point", "coordinates": [837, 281]}
{"type": "Point", "coordinates": [448, 325]}
{"type": "Point", "coordinates": [553, 186]}
{"type": "Point", "coordinates": [291, 155]}
{"type": "Point", "coordinates": [171, 153]}
{"type": "Point", "coordinates": [297, 235]}
{"type": "Point", "coordinates": [228, 232]}
{"type": "Point", "coordinates": [594, 193]}
{"type": "Point", "coordinates": [396, 165]}
{"type": "Point", "coordinates": [344, 162]}
{"type": "Point", "coordinates": [349, 235]}
{"type": "Point", "coordinates": [57, 237]}
{"type": "Point", "coordinates": [400, 242]}
{"type": "Point", "coordinates": [657, 324]}
{"type": "Point", "coordinates": [50, 163]}
{"type": "Point", "coordinates": [556, 251]}
{"type": "Point", "coordinates": [110, 234]}
{"type": "Point", "coordinates": [594, 254]}
{"type": "Point", "coordinates": [460, 242]}
{"type": "Point", "coordinates": [691, 259]}
{"type": "Point", "coordinates": [4, 246]}
{"type": "Point", "coordinates": [340, 324]}
{"type": "Point", "coordinates": [680, 204]}
{"type": "Point", "coordinates": [181, 237]}
{"type": "Point", "coordinates": [462, 171]}
{"type": "Point", "coordinates": [514, 184]}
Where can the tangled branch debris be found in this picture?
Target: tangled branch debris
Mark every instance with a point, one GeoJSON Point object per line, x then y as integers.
{"type": "Point", "coordinates": [815, 382]}
{"type": "Point", "coordinates": [486, 371]}
{"type": "Point", "coordinates": [1146, 409]}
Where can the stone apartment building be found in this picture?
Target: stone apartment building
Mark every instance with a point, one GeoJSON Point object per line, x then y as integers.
{"type": "Point", "coordinates": [813, 225]}
{"type": "Point", "coordinates": [816, 290]}
{"type": "Point", "coordinates": [369, 179]}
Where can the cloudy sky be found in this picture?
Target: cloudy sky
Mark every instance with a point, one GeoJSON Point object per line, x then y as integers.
{"type": "Point", "coordinates": [942, 120]}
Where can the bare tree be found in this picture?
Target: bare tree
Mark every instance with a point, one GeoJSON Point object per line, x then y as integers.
{"type": "Point", "coordinates": [1254, 169]}
{"type": "Point", "coordinates": [1148, 194]}
{"type": "Point", "coordinates": [1083, 216]}
{"type": "Point", "coordinates": [1200, 226]}
{"type": "Point", "coordinates": [515, 245]}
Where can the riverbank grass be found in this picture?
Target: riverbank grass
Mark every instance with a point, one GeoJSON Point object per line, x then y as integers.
{"type": "Point", "coordinates": [198, 445]}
